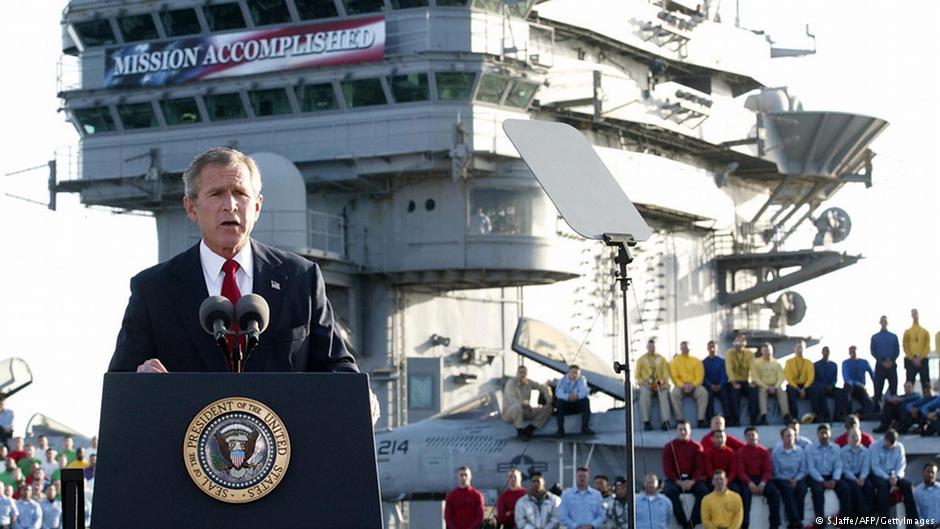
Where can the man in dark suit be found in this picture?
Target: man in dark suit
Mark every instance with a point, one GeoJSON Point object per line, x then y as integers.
{"type": "Point", "coordinates": [161, 331]}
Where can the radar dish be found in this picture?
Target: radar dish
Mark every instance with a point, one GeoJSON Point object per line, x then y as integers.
{"type": "Point", "coordinates": [833, 225]}
{"type": "Point", "coordinates": [14, 376]}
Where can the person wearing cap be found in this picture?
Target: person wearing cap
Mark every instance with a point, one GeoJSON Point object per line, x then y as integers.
{"type": "Point", "coordinates": [617, 505]}
{"type": "Point", "coordinates": [652, 507]}
{"type": "Point", "coordinates": [856, 466]}
{"type": "Point", "coordinates": [688, 375]}
{"type": "Point", "coordinates": [824, 471]}
{"type": "Point", "coordinates": [927, 497]}
{"type": "Point", "coordinates": [738, 362]}
{"type": "Point", "coordinates": [538, 509]}
{"type": "Point", "coordinates": [652, 377]}
{"type": "Point", "coordinates": [722, 508]}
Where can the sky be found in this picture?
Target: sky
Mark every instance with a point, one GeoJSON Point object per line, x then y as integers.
{"type": "Point", "coordinates": [64, 274]}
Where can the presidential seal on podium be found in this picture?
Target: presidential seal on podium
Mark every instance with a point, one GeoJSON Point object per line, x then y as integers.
{"type": "Point", "coordinates": [236, 450]}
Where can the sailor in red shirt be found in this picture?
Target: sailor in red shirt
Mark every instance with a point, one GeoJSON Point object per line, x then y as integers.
{"type": "Point", "coordinates": [852, 422]}
{"type": "Point", "coordinates": [683, 466]}
{"type": "Point", "coordinates": [720, 456]}
{"type": "Point", "coordinates": [753, 477]}
{"type": "Point", "coordinates": [463, 506]}
{"type": "Point", "coordinates": [718, 423]}
{"type": "Point", "coordinates": [506, 502]}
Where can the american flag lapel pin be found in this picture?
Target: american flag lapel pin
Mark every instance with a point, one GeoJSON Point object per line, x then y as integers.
{"type": "Point", "coordinates": [275, 285]}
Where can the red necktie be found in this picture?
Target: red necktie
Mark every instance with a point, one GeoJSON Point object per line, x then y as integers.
{"type": "Point", "coordinates": [230, 290]}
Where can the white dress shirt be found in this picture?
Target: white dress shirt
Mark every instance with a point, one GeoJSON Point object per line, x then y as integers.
{"type": "Point", "coordinates": [213, 274]}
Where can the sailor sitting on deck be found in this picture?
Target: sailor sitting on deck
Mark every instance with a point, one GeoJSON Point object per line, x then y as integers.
{"type": "Point", "coordinates": [516, 407]}
{"type": "Point", "coordinates": [571, 397]}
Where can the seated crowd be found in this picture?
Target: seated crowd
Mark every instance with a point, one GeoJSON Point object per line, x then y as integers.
{"type": "Point", "coordinates": [31, 481]}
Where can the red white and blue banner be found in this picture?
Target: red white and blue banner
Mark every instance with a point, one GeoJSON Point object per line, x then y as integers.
{"type": "Point", "coordinates": [245, 53]}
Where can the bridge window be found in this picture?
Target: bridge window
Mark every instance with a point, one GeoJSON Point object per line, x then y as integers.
{"type": "Point", "coordinates": [492, 88]}
{"type": "Point", "coordinates": [310, 9]}
{"type": "Point", "coordinates": [410, 87]}
{"type": "Point", "coordinates": [316, 97]}
{"type": "Point", "coordinates": [137, 116]}
{"type": "Point", "coordinates": [454, 3]}
{"type": "Point", "coordinates": [94, 120]}
{"type": "Point", "coordinates": [454, 85]}
{"type": "Point", "coordinates": [272, 102]}
{"type": "Point", "coordinates": [363, 93]}
{"type": "Point", "coordinates": [179, 22]}
{"type": "Point", "coordinates": [405, 4]}
{"type": "Point", "coordinates": [137, 27]}
{"type": "Point", "coordinates": [266, 12]}
{"type": "Point", "coordinates": [489, 5]}
{"type": "Point", "coordinates": [182, 111]}
{"type": "Point", "coordinates": [356, 7]}
{"type": "Point", "coordinates": [222, 17]}
{"type": "Point", "coordinates": [224, 106]}
{"type": "Point", "coordinates": [510, 211]}
{"type": "Point", "coordinates": [521, 93]}
{"type": "Point", "coordinates": [95, 32]}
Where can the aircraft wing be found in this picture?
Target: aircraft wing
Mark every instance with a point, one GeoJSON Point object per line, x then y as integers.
{"type": "Point", "coordinates": [552, 348]}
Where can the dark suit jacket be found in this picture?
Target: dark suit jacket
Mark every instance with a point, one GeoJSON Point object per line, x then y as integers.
{"type": "Point", "coordinates": [162, 318]}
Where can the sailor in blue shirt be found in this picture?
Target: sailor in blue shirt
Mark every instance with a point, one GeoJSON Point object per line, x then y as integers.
{"type": "Point", "coordinates": [927, 497]}
{"type": "Point", "coordinates": [887, 473]}
{"type": "Point", "coordinates": [914, 417]}
{"type": "Point", "coordinates": [716, 382]}
{"type": "Point", "coordinates": [581, 505]}
{"type": "Point", "coordinates": [652, 507]}
{"type": "Point", "coordinates": [824, 466]}
{"type": "Point", "coordinates": [51, 509]}
{"type": "Point", "coordinates": [825, 377]}
{"type": "Point", "coordinates": [30, 513]}
{"type": "Point", "coordinates": [892, 413]}
{"type": "Point", "coordinates": [571, 397]}
{"type": "Point", "coordinates": [7, 510]}
{"type": "Point", "coordinates": [931, 412]}
{"type": "Point", "coordinates": [789, 464]}
{"type": "Point", "coordinates": [856, 466]}
{"type": "Point", "coordinates": [854, 370]}
{"type": "Point", "coordinates": [885, 349]}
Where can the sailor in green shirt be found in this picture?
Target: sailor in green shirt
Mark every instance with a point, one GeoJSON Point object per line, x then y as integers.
{"type": "Point", "coordinates": [57, 473]}
{"type": "Point", "coordinates": [69, 448]}
{"type": "Point", "coordinates": [26, 464]}
{"type": "Point", "coordinates": [6, 476]}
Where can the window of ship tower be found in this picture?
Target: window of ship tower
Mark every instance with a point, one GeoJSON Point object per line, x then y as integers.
{"type": "Point", "coordinates": [310, 9]}
{"type": "Point", "coordinates": [453, 86]}
{"type": "Point", "coordinates": [224, 106]}
{"type": "Point", "coordinates": [356, 7]}
{"type": "Point", "coordinates": [492, 88]}
{"type": "Point", "coordinates": [266, 12]}
{"type": "Point", "coordinates": [180, 111]}
{"type": "Point", "coordinates": [137, 115]}
{"type": "Point", "coordinates": [137, 27]}
{"type": "Point", "coordinates": [224, 16]}
{"type": "Point", "coordinates": [454, 3]}
{"type": "Point", "coordinates": [178, 22]}
{"type": "Point", "coordinates": [521, 93]}
{"type": "Point", "coordinates": [363, 93]}
{"type": "Point", "coordinates": [94, 120]}
{"type": "Point", "coordinates": [272, 102]}
{"type": "Point", "coordinates": [410, 87]}
{"type": "Point", "coordinates": [95, 32]}
{"type": "Point", "coordinates": [316, 97]}
{"type": "Point", "coordinates": [405, 4]}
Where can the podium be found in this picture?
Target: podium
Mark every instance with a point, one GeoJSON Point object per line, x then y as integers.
{"type": "Point", "coordinates": [272, 450]}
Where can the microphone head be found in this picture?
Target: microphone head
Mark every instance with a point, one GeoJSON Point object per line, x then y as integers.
{"type": "Point", "coordinates": [252, 307]}
{"type": "Point", "coordinates": [215, 308]}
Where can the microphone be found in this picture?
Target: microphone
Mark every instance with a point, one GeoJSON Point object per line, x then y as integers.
{"type": "Point", "coordinates": [252, 314]}
{"type": "Point", "coordinates": [215, 315]}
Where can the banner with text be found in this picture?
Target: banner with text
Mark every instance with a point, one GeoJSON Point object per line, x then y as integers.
{"type": "Point", "coordinates": [244, 53]}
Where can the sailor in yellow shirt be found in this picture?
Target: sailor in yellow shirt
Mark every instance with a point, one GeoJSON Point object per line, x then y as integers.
{"type": "Point", "coordinates": [767, 378]}
{"type": "Point", "coordinates": [652, 376]}
{"type": "Point", "coordinates": [722, 508]}
{"type": "Point", "coordinates": [916, 346]}
{"type": "Point", "coordinates": [738, 362]}
{"type": "Point", "coordinates": [688, 375]}
{"type": "Point", "coordinates": [800, 373]}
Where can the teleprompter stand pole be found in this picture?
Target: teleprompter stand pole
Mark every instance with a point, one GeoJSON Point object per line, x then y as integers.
{"type": "Point", "coordinates": [73, 498]}
{"type": "Point", "coordinates": [623, 243]}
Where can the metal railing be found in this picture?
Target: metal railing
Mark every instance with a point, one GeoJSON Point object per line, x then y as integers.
{"type": "Point", "coordinates": [326, 233]}
{"type": "Point", "coordinates": [68, 73]}
{"type": "Point", "coordinates": [68, 162]}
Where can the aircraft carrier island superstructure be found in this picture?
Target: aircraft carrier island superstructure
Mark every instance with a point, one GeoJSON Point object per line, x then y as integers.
{"type": "Point", "coordinates": [377, 127]}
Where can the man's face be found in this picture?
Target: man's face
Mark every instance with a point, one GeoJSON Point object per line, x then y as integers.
{"type": "Point", "coordinates": [522, 373]}
{"type": "Point", "coordinates": [18, 443]}
{"type": "Point", "coordinates": [583, 479]}
{"type": "Point", "coordinates": [63, 461]}
{"type": "Point", "coordinates": [720, 438]}
{"type": "Point", "coordinates": [752, 437]}
{"type": "Point", "coordinates": [50, 492]}
{"type": "Point", "coordinates": [888, 443]}
{"type": "Point", "coordinates": [10, 463]}
{"type": "Point", "coordinates": [854, 438]}
{"type": "Point", "coordinates": [884, 322]}
{"type": "Point", "coordinates": [682, 431]}
{"type": "Point", "coordinates": [914, 314]}
{"type": "Point", "coordinates": [825, 353]}
{"type": "Point", "coordinates": [787, 437]}
{"type": "Point", "coordinates": [463, 478]}
{"type": "Point", "coordinates": [850, 423]}
{"type": "Point", "coordinates": [26, 493]}
{"type": "Point", "coordinates": [601, 485]}
{"type": "Point", "coordinates": [930, 474]}
{"type": "Point", "coordinates": [620, 490]}
{"type": "Point", "coordinates": [537, 485]}
{"type": "Point", "coordinates": [720, 481]}
{"type": "Point", "coordinates": [30, 451]}
{"type": "Point", "coordinates": [823, 436]}
{"type": "Point", "coordinates": [853, 351]}
{"type": "Point", "coordinates": [740, 342]}
{"type": "Point", "coordinates": [226, 207]}
{"type": "Point", "coordinates": [718, 423]}
{"type": "Point", "coordinates": [798, 349]}
{"type": "Point", "coordinates": [908, 387]}
{"type": "Point", "coordinates": [650, 347]}
{"type": "Point", "coordinates": [650, 484]}
{"type": "Point", "coordinates": [684, 348]}
{"type": "Point", "coordinates": [50, 454]}
{"type": "Point", "coordinates": [765, 352]}
{"type": "Point", "coordinates": [711, 348]}
{"type": "Point", "coordinates": [573, 374]}
{"type": "Point", "coordinates": [69, 443]}
{"type": "Point", "coordinates": [43, 442]}
{"type": "Point", "coordinates": [515, 480]}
